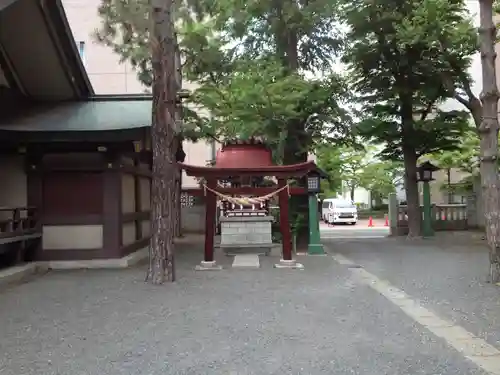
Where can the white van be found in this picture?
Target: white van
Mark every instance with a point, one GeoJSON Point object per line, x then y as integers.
{"type": "Point", "coordinates": [335, 211]}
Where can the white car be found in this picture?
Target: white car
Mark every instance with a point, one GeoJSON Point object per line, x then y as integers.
{"type": "Point", "coordinates": [337, 211]}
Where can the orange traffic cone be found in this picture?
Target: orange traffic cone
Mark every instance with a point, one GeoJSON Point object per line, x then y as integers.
{"type": "Point", "coordinates": [370, 222]}
{"type": "Point", "coordinates": [386, 221]}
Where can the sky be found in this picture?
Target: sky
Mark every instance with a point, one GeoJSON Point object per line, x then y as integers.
{"type": "Point", "coordinates": [475, 69]}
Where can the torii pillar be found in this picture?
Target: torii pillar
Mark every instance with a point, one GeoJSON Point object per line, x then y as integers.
{"type": "Point", "coordinates": [208, 262]}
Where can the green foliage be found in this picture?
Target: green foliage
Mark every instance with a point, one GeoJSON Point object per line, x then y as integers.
{"type": "Point", "coordinates": [465, 158]}
{"type": "Point", "coordinates": [356, 167]}
{"type": "Point", "coordinates": [125, 29]}
{"type": "Point", "coordinates": [382, 177]}
{"type": "Point", "coordinates": [258, 99]}
{"type": "Point", "coordinates": [443, 131]}
{"type": "Point", "coordinates": [247, 60]}
{"type": "Point", "coordinates": [214, 32]}
{"type": "Point", "coordinates": [395, 57]}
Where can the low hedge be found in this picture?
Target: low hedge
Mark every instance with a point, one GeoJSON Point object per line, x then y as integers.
{"type": "Point", "coordinates": [365, 214]}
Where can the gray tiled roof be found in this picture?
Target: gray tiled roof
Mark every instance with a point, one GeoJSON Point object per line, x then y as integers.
{"type": "Point", "coordinates": [95, 115]}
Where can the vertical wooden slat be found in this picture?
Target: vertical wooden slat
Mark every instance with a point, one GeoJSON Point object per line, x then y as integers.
{"type": "Point", "coordinates": [112, 208]}
{"type": "Point", "coordinates": [137, 198]}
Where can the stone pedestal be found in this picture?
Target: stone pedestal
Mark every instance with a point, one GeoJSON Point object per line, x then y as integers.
{"type": "Point", "coordinates": [246, 234]}
{"type": "Point", "coordinates": [289, 264]}
{"type": "Point", "coordinates": [208, 266]}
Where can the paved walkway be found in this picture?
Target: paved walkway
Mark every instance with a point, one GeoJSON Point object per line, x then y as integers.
{"type": "Point", "coordinates": [446, 276]}
{"type": "Point", "coordinates": [318, 321]}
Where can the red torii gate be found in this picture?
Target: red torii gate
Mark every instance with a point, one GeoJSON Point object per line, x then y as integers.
{"type": "Point", "coordinates": [239, 160]}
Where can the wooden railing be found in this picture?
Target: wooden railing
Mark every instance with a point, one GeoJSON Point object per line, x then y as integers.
{"type": "Point", "coordinates": [20, 232]}
{"type": "Point", "coordinates": [444, 216]}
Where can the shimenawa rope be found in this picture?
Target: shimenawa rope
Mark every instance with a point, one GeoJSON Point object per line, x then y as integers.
{"type": "Point", "coordinates": [247, 200]}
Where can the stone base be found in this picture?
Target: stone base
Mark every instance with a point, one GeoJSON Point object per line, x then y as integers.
{"type": "Point", "coordinates": [208, 266]}
{"type": "Point", "coordinates": [246, 261]}
{"type": "Point", "coordinates": [18, 274]}
{"type": "Point", "coordinates": [315, 249]}
{"type": "Point", "coordinates": [125, 262]}
{"type": "Point", "coordinates": [257, 249]}
{"type": "Point", "coordinates": [289, 264]}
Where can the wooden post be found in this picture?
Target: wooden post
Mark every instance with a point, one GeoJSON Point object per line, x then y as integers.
{"type": "Point", "coordinates": [393, 214]}
{"type": "Point", "coordinates": [211, 203]}
{"type": "Point", "coordinates": [284, 221]}
{"type": "Point", "coordinates": [35, 198]}
{"type": "Point", "coordinates": [112, 208]}
{"type": "Point", "coordinates": [137, 197]}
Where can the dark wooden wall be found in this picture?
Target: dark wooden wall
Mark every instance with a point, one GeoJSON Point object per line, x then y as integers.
{"type": "Point", "coordinates": [86, 189]}
{"type": "Point", "coordinates": [140, 171]}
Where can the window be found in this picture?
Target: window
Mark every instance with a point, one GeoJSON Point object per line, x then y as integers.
{"type": "Point", "coordinates": [341, 204]}
{"type": "Point", "coordinates": [81, 50]}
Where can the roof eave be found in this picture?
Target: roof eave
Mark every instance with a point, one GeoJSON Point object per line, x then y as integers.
{"type": "Point", "coordinates": [293, 170]}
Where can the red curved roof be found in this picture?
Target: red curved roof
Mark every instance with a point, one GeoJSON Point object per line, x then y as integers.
{"type": "Point", "coordinates": [244, 155]}
{"type": "Point", "coordinates": [293, 170]}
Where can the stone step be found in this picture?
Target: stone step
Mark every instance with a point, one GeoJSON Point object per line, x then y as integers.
{"type": "Point", "coordinates": [246, 261]}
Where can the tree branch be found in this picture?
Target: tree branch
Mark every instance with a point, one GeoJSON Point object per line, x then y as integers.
{"type": "Point", "coordinates": [428, 109]}
{"type": "Point", "coordinates": [464, 81]}
{"type": "Point", "coordinates": [462, 100]}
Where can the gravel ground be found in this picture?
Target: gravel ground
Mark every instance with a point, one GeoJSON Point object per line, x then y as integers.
{"type": "Point", "coordinates": [266, 321]}
{"type": "Point", "coordinates": [449, 278]}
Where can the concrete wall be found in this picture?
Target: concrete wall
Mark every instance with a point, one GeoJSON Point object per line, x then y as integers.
{"type": "Point", "coordinates": [107, 74]}
{"type": "Point", "coordinates": [475, 207]}
{"type": "Point", "coordinates": [128, 233]}
{"type": "Point", "coordinates": [193, 219]}
{"type": "Point", "coordinates": [361, 195]}
{"type": "Point", "coordinates": [75, 237]}
{"type": "Point", "coordinates": [440, 196]}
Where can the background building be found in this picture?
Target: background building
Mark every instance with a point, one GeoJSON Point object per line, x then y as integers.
{"type": "Point", "coordinates": [109, 76]}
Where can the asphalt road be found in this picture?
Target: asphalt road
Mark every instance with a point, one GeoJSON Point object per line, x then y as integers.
{"type": "Point", "coordinates": [359, 231]}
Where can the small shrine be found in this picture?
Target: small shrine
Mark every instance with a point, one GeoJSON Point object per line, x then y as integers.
{"type": "Point", "coordinates": [236, 181]}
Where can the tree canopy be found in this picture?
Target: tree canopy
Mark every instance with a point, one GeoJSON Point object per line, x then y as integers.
{"type": "Point", "coordinates": [258, 99]}
{"type": "Point", "coordinates": [395, 69]}
{"type": "Point", "coordinates": [357, 167]}
{"type": "Point", "coordinates": [248, 61]}
{"type": "Point", "coordinates": [251, 64]}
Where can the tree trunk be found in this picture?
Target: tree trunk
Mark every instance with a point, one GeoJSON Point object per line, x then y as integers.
{"type": "Point", "coordinates": [161, 266]}
{"type": "Point", "coordinates": [476, 109]}
{"type": "Point", "coordinates": [410, 163]}
{"type": "Point", "coordinates": [488, 132]}
{"type": "Point", "coordinates": [412, 196]}
{"type": "Point", "coordinates": [450, 193]}
{"type": "Point", "coordinates": [353, 188]}
{"type": "Point", "coordinates": [178, 141]}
